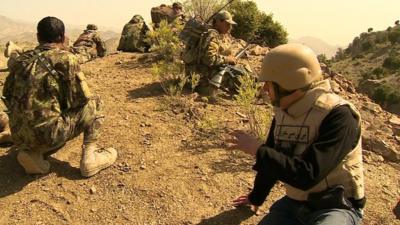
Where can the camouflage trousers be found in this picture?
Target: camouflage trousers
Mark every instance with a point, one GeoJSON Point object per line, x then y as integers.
{"type": "Point", "coordinates": [48, 140]}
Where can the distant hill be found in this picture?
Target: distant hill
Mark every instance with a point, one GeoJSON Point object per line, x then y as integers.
{"type": "Point", "coordinates": [319, 46]}
{"type": "Point", "coordinates": [372, 62]}
{"type": "Point", "coordinates": [26, 32]}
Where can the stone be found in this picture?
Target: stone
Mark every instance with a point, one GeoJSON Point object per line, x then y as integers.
{"type": "Point", "coordinates": [93, 190]}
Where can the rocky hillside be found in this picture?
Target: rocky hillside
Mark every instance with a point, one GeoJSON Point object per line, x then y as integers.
{"type": "Point", "coordinates": [372, 62]}
{"type": "Point", "coordinates": [173, 165]}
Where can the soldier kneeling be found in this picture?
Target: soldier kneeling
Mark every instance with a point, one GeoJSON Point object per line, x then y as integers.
{"type": "Point", "coordinates": [49, 103]}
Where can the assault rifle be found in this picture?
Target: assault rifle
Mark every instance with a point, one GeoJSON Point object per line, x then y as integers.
{"type": "Point", "coordinates": [232, 71]}
{"type": "Point", "coordinates": [4, 70]}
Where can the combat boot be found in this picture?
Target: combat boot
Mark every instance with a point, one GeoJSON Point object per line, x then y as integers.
{"type": "Point", "coordinates": [12, 48]}
{"type": "Point", "coordinates": [33, 162]}
{"type": "Point", "coordinates": [95, 159]}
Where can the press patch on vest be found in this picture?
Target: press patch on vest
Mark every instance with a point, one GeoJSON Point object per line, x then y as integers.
{"type": "Point", "coordinates": [294, 134]}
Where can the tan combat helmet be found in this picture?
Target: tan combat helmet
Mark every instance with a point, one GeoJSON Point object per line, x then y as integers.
{"type": "Point", "coordinates": [91, 27]}
{"type": "Point", "coordinates": [291, 66]}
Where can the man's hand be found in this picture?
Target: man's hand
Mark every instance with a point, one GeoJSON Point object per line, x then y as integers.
{"type": "Point", "coordinates": [244, 200]}
{"type": "Point", "coordinates": [244, 142]}
{"type": "Point", "coordinates": [230, 60]}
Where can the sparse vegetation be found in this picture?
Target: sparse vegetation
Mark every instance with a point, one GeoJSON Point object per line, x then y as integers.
{"type": "Point", "coordinates": [170, 69]}
{"type": "Point", "coordinates": [374, 55]}
{"type": "Point", "coordinates": [385, 95]}
{"type": "Point", "coordinates": [203, 8]}
{"type": "Point", "coordinates": [259, 116]}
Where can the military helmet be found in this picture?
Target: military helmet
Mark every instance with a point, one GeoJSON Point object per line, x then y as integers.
{"type": "Point", "coordinates": [291, 66]}
{"type": "Point", "coordinates": [177, 5]}
{"type": "Point", "coordinates": [137, 19]}
{"type": "Point", "coordinates": [225, 16]}
{"type": "Point", "coordinates": [91, 27]}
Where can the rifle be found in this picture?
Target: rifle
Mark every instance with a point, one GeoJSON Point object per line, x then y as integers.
{"type": "Point", "coordinates": [229, 69]}
{"type": "Point", "coordinates": [3, 70]}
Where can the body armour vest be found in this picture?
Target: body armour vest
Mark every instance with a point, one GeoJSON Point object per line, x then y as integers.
{"type": "Point", "coordinates": [297, 128]}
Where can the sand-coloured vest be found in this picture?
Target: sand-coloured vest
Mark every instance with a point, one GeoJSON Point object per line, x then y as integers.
{"type": "Point", "coordinates": [297, 128]}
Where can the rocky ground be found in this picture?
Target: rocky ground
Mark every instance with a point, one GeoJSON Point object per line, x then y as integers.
{"type": "Point", "coordinates": [173, 166]}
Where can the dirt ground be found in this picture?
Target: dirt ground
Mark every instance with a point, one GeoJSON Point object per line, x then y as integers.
{"type": "Point", "coordinates": [168, 172]}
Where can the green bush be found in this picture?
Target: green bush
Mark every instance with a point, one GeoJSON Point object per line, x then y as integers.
{"type": "Point", "coordinates": [255, 25]}
{"type": "Point", "coordinates": [259, 116]}
{"type": "Point", "coordinates": [381, 37]}
{"type": "Point", "coordinates": [169, 70]}
{"type": "Point", "coordinates": [165, 41]}
{"type": "Point", "coordinates": [367, 45]}
{"type": "Point", "coordinates": [392, 62]}
{"type": "Point", "coordinates": [386, 96]}
{"type": "Point", "coordinates": [394, 36]}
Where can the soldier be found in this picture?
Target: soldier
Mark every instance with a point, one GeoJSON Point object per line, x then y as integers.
{"type": "Point", "coordinates": [168, 13]}
{"type": "Point", "coordinates": [89, 45]}
{"type": "Point", "coordinates": [49, 103]}
{"type": "Point", "coordinates": [313, 146]}
{"type": "Point", "coordinates": [215, 54]}
{"type": "Point", "coordinates": [133, 36]}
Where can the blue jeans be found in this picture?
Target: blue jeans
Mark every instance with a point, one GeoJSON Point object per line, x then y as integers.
{"type": "Point", "coordinates": [289, 212]}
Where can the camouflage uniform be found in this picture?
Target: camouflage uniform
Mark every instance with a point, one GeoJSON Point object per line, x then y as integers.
{"type": "Point", "coordinates": [89, 46]}
{"type": "Point", "coordinates": [211, 60]}
{"type": "Point", "coordinates": [133, 35]}
{"type": "Point", "coordinates": [48, 100]}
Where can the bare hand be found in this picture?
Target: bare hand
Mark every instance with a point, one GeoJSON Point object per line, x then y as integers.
{"type": "Point", "coordinates": [230, 60]}
{"type": "Point", "coordinates": [244, 200]}
{"type": "Point", "coordinates": [244, 142]}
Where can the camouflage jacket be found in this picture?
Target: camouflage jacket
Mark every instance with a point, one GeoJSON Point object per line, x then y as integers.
{"type": "Point", "coordinates": [133, 37]}
{"type": "Point", "coordinates": [37, 98]}
{"type": "Point", "coordinates": [91, 39]}
{"type": "Point", "coordinates": [212, 55]}
{"type": "Point", "coordinates": [218, 47]}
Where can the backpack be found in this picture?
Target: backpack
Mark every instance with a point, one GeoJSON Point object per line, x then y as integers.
{"type": "Point", "coordinates": [194, 35]}
{"type": "Point", "coordinates": [162, 12]}
{"type": "Point", "coordinates": [22, 90]}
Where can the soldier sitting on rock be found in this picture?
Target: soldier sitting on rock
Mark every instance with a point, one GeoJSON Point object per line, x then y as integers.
{"type": "Point", "coordinates": [49, 103]}
{"type": "Point", "coordinates": [133, 36]}
{"type": "Point", "coordinates": [213, 54]}
{"type": "Point", "coordinates": [89, 45]}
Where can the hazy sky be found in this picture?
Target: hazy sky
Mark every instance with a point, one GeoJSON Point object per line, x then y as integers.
{"type": "Point", "coordinates": [336, 22]}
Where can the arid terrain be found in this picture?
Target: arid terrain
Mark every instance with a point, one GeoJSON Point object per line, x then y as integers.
{"type": "Point", "coordinates": [173, 166]}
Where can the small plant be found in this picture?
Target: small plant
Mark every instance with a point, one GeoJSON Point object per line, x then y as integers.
{"type": "Point", "coordinates": [170, 69]}
{"type": "Point", "coordinates": [171, 76]}
{"type": "Point", "coordinates": [165, 41]}
{"type": "Point", "coordinates": [259, 117]}
{"type": "Point", "coordinates": [194, 80]}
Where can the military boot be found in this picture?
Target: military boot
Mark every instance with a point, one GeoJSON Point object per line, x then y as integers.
{"type": "Point", "coordinates": [33, 162]}
{"type": "Point", "coordinates": [12, 48]}
{"type": "Point", "coordinates": [95, 159]}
